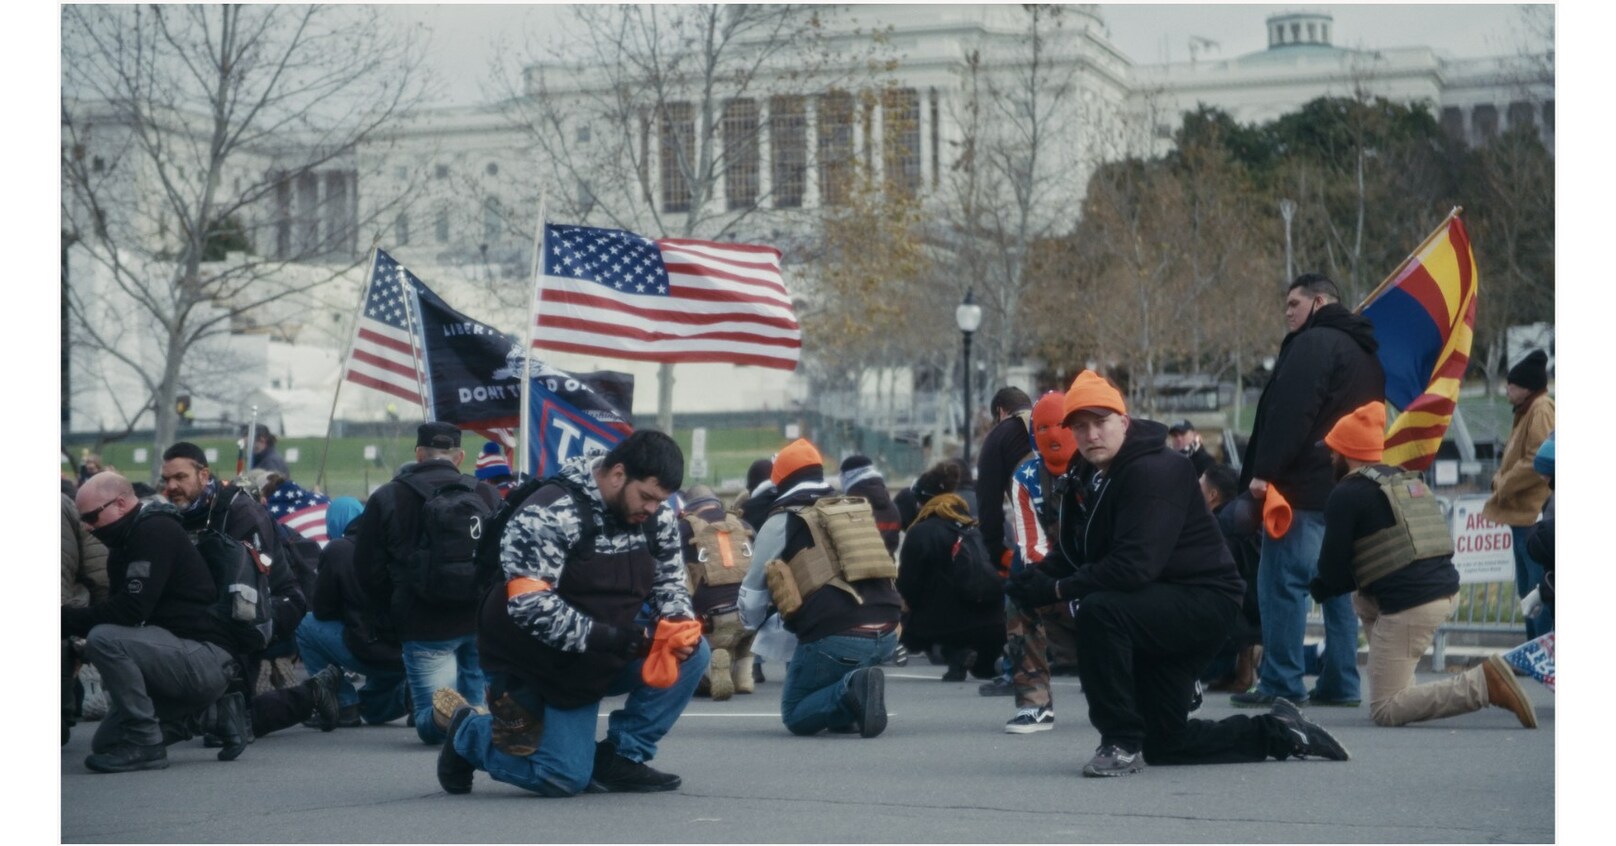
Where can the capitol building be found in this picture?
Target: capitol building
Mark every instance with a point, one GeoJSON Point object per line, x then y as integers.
{"type": "Point", "coordinates": [454, 192]}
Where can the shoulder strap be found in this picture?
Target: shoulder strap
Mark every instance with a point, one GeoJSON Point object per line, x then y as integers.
{"type": "Point", "coordinates": [696, 523]}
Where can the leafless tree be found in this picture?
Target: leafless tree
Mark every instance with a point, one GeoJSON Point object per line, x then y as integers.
{"type": "Point", "coordinates": [192, 133]}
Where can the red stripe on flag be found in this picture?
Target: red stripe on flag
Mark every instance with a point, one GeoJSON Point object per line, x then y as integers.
{"type": "Point", "coordinates": [760, 249]}
{"type": "Point", "coordinates": [690, 318]}
{"type": "Point", "coordinates": [391, 365]}
{"type": "Point", "coordinates": [384, 387]}
{"type": "Point", "coordinates": [379, 340]}
{"type": "Point", "coordinates": [712, 272]}
{"type": "Point", "coordinates": [1425, 291]}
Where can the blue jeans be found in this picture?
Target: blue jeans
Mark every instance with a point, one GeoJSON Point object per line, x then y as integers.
{"type": "Point", "coordinates": [381, 700]}
{"type": "Point", "coordinates": [1287, 565]}
{"type": "Point", "coordinates": [1528, 575]}
{"type": "Point", "coordinates": [431, 664]}
{"type": "Point", "coordinates": [816, 679]}
{"type": "Point", "coordinates": [566, 755]}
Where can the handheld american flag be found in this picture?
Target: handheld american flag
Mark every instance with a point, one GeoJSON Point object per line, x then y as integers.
{"type": "Point", "coordinates": [615, 293]}
{"type": "Point", "coordinates": [383, 355]}
{"type": "Point", "coordinates": [303, 511]}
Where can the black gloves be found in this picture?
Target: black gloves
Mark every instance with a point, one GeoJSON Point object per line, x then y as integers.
{"type": "Point", "coordinates": [1033, 589]}
{"type": "Point", "coordinates": [624, 643]}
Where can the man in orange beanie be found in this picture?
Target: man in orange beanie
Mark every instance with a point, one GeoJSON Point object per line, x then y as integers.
{"type": "Point", "coordinates": [1386, 538]}
{"type": "Point", "coordinates": [1154, 593]}
{"type": "Point", "coordinates": [1033, 518]}
{"type": "Point", "coordinates": [845, 627]}
{"type": "Point", "coordinates": [1326, 367]}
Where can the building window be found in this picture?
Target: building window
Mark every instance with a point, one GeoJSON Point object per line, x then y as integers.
{"type": "Point", "coordinates": [441, 171]}
{"type": "Point", "coordinates": [283, 218]}
{"type": "Point", "coordinates": [492, 169]}
{"type": "Point", "coordinates": [900, 142]}
{"type": "Point", "coordinates": [1521, 113]}
{"type": "Point", "coordinates": [1324, 30]}
{"type": "Point", "coordinates": [340, 221]}
{"type": "Point", "coordinates": [936, 142]}
{"type": "Point", "coordinates": [1296, 33]}
{"type": "Point", "coordinates": [788, 150]}
{"type": "Point", "coordinates": [98, 164]}
{"type": "Point", "coordinates": [645, 156]}
{"type": "Point", "coordinates": [1453, 122]}
{"type": "Point", "coordinates": [401, 229]}
{"type": "Point", "coordinates": [441, 225]}
{"type": "Point", "coordinates": [401, 173]}
{"type": "Point", "coordinates": [1312, 33]}
{"type": "Point", "coordinates": [308, 212]}
{"type": "Point", "coordinates": [835, 147]}
{"type": "Point", "coordinates": [1485, 121]}
{"type": "Point", "coordinates": [678, 137]}
{"type": "Point", "coordinates": [741, 153]}
{"type": "Point", "coordinates": [586, 198]}
{"type": "Point", "coordinates": [582, 135]}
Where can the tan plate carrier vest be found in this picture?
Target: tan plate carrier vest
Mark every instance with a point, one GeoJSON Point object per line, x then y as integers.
{"type": "Point", "coordinates": [847, 548]}
{"type": "Point", "coordinates": [723, 551]}
{"type": "Point", "coordinates": [1420, 531]}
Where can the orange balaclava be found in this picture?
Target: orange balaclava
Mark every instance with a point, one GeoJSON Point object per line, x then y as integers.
{"type": "Point", "coordinates": [1056, 444]}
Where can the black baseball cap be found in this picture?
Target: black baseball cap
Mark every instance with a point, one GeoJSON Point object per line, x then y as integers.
{"type": "Point", "coordinates": [1181, 427]}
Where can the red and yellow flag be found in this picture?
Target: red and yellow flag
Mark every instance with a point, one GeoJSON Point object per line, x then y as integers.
{"type": "Point", "coordinates": [1425, 320]}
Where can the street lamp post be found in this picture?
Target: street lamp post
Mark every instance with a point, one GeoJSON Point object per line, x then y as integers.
{"type": "Point", "coordinates": [1287, 210]}
{"type": "Point", "coordinates": [968, 316]}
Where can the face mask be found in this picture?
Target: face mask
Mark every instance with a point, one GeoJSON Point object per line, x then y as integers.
{"type": "Point", "coordinates": [113, 534]}
{"type": "Point", "coordinates": [204, 500]}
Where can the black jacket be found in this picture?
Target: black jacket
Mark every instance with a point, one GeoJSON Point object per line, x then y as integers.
{"type": "Point", "coordinates": [237, 514]}
{"type": "Point", "coordinates": [1145, 521]}
{"type": "Point", "coordinates": [1324, 371]}
{"type": "Point", "coordinates": [157, 578]}
{"type": "Point", "coordinates": [339, 595]}
{"type": "Point", "coordinates": [389, 532]}
{"type": "Point", "coordinates": [1357, 509]}
{"type": "Point", "coordinates": [1003, 450]}
{"type": "Point", "coordinates": [830, 611]}
{"type": "Point", "coordinates": [925, 579]}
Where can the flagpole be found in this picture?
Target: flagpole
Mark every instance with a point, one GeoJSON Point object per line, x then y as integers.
{"type": "Point", "coordinates": [523, 451]}
{"type": "Point", "coordinates": [1440, 228]}
{"type": "Point", "coordinates": [412, 322]}
{"type": "Point", "coordinates": [342, 368]}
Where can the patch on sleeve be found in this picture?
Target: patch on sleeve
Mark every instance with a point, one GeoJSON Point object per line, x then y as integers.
{"type": "Point", "coordinates": [139, 570]}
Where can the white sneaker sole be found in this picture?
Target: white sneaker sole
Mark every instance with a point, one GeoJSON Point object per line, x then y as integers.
{"type": "Point", "coordinates": [1017, 728]}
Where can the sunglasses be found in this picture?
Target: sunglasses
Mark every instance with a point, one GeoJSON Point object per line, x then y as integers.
{"type": "Point", "coordinates": [89, 517]}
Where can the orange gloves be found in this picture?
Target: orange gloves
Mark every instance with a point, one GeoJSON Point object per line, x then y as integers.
{"type": "Point", "coordinates": [1276, 514]}
{"type": "Point", "coordinates": [661, 667]}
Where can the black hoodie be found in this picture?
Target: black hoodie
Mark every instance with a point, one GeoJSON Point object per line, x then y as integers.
{"type": "Point", "coordinates": [1324, 371]}
{"type": "Point", "coordinates": [1145, 521]}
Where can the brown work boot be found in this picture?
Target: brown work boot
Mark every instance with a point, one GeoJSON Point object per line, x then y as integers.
{"type": "Point", "coordinates": [1503, 691]}
{"type": "Point", "coordinates": [741, 673]}
{"type": "Point", "coordinates": [719, 680]}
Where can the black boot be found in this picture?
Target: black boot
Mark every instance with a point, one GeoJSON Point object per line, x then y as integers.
{"type": "Point", "coordinates": [231, 725]}
{"type": "Point", "coordinates": [616, 774]}
{"type": "Point", "coordinates": [126, 758]}
{"type": "Point", "coordinates": [956, 665]}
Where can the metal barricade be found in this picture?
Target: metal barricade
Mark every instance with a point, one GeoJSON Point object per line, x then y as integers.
{"type": "Point", "coordinates": [1485, 608]}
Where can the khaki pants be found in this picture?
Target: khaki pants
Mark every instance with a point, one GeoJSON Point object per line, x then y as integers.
{"type": "Point", "coordinates": [1396, 642]}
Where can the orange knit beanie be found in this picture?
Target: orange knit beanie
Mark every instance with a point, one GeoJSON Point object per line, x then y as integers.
{"type": "Point", "coordinates": [797, 455]}
{"type": "Point", "coordinates": [1360, 435]}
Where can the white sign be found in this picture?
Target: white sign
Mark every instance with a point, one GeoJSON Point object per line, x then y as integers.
{"type": "Point", "coordinates": [370, 452]}
{"type": "Point", "coordinates": [1483, 551]}
{"type": "Point", "coordinates": [211, 454]}
{"type": "Point", "coordinates": [698, 469]}
{"type": "Point", "coordinates": [291, 455]}
{"type": "Point", "coordinates": [793, 431]}
{"type": "Point", "coordinates": [698, 443]}
{"type": "Point", "coordinates": [140, 455]}
{"type": "Point", "coordinates": [1447, 472]}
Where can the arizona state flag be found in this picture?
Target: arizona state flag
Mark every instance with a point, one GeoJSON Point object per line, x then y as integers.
{"type": "Point", "coordinates": [1425, 320]}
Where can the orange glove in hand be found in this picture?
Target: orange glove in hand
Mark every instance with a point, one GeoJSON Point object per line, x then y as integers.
{"type": "Point", "coordinates": [661, 667]}
{"type": "Point", "coordinates": [1276, 514]}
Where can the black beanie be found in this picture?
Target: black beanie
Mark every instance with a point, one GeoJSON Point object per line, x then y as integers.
{"type": "Point", "coordinates": [1532, 373]}
{"type": "Point", "coordinates": [186, 449]}
{"type": "Point", "coordinates": [853, 462]}
{"type": "Point", "coordinates": [758, 472]}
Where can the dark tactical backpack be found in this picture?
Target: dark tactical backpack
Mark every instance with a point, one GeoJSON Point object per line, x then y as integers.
{"type": "Point", "coordinates": [452, 522]}
{"type": "Point", "coordinates": [973, 575]}
{"type": "Point", "coordinates": [240, 577]}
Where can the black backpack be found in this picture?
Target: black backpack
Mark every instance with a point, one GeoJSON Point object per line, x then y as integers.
{"type": "Point", "coordinates": [243, 599]}
{"type": "Point", "coordinates": [453, 519]}
{"type": "Point", "coordinates": [489, 572]}
{"type": "Point", "coordinates": [972, 574]}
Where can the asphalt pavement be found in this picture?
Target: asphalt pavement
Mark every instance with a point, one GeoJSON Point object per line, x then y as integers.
{"type": "Point", "coordinates": [944, 771]}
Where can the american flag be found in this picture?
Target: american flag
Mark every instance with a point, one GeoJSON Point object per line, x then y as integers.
{"type": "Point", "coordinates": [615, 293]}
{"type": "Point", "coordinates": [382, 356]}
{"type": "Point", "coordinates": [302, 511]}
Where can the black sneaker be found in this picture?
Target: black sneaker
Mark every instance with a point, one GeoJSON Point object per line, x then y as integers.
{"type": "Point", "coordinates": [326, 686]}
{"type": "Point", "coordinates": [1111, 760]}
{"type": "Point", "coordinates": [454, 771]}
{"type": "Point", "coordinates": [866, 695]}
{"type": "Point", "coordinates": [1029, 720]}
{"type": "Point", "coordinates": [616, 774]}
{"type": "Point", "coordinates": [127, 758]}
{"type": "Point", "coordinates": [1000, 686]}
{"type": "Point", "coordinates": [1253, 699]}
{"type": "Point", "coordinates": [900, 656]}
{"type": "Point", "coordinates": [1307, 738]}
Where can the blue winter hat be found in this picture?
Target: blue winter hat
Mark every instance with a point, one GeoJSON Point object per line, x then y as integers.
{"type": "Point", "coordinates": [342, 511]}
{"type": "Point", "coordinates": [1543, 462]}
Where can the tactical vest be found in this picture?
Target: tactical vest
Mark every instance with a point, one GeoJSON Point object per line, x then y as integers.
{"type": "Point", "coordinates": [723, 551]}
{"type": "Point", "coordinates": [1420, 531]}
{"type": "Point", "coordinates": [847, 548]}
